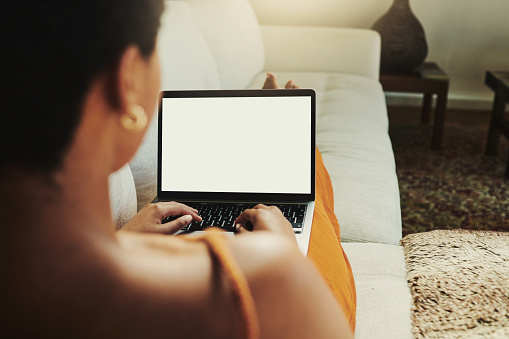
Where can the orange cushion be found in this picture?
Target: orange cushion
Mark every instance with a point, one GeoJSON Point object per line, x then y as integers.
{"type": "Point", "coordinates": [325, 245]}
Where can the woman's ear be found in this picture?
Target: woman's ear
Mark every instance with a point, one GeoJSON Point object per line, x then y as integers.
{"type": "Point", "coordinates": [136, 87]}
{"type": "Point", "coordinates": [136, 81]}
{"type": "Point", "coordinates": [134, 76]}
{"type": "Point", "coordinates": [129, 78]}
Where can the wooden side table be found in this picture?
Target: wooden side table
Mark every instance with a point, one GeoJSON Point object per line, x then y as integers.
{"type": "Point", "coordinates": [499, 83]}
{"type": "Point", "coordinates": [428, 79]}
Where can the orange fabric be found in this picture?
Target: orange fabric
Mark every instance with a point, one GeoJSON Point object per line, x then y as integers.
{"type": "Point", "coordinates": [242, 293]}
{"type": "Point", "coordinates": [325, 248]}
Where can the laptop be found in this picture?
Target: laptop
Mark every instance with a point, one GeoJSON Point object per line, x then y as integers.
{"type": "Point", "coordinates": [223, 151]}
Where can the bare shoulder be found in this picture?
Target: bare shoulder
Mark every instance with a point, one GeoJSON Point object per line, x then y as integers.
{"type": "Point", "coordinates": [168, 286]}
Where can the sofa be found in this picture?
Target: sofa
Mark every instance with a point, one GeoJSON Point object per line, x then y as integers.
{"type": "Point", "coordinates": [219, 44]}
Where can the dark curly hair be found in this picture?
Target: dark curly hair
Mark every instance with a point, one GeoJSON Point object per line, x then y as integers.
{"type": "Point", "coordinates": [51, 52]}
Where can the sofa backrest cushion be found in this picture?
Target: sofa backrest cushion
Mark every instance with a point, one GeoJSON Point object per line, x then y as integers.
{"type": "Point", "coordinates": [234, 36]}
{"type": "Point", "coordinates": [122, 196]}
{"type": "Point", "coordinates": [144, 166]}
{"type": "Point", "coordinates": [186, 59]}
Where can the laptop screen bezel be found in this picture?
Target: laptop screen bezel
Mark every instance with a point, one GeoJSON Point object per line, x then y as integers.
{"type": "Point", "coordinates": [236, 196]}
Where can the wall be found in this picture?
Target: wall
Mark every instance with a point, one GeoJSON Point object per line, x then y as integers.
{"type": "Point", "coordinates": [465, 37]}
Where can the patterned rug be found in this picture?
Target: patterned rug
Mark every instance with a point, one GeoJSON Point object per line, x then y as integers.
{"type": "Point", "coordinates": [456, 187]}
{"type": "Point", "coordinates": [459, 283]}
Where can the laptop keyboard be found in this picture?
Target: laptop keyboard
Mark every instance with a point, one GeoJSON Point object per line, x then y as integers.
{"type": "Point", "coordinates": [224, 215]}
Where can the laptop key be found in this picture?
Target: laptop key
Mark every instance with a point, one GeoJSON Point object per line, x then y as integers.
{"type": "Point", "coordinates": [170, 218]}
{"type": "Point", "coordinates": [229, 227]}
{"type": "Point", "coordinates": [194, 226]}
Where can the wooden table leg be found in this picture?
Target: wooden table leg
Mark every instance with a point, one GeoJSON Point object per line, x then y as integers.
{"type": "Point", "coordinates": [438, 128]}
{"type": "Point", "coordinates": [426, 108]}
{"type": "Point", "coordinates": [494, 133]}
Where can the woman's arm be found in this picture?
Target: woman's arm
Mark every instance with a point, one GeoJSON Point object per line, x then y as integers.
{"type": "Point", "coordinates": [291, 298]}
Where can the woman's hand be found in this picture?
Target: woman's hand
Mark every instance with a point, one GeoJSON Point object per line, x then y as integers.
{"type": "Point", "coordinates": [264, 218]}
{"type": "Point", "coordinates": [149, 218]}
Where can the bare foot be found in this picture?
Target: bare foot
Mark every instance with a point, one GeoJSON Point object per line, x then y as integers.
{"type": "Point", "coordinates": [271, 83]}
{"type": "Point", "coordinates": [291, 85]}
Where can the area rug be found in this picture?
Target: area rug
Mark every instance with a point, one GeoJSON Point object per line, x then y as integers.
{"type": "Point", "coordinates": [457, 187]}
{"type": "Point", "coordinates": [459, 282]}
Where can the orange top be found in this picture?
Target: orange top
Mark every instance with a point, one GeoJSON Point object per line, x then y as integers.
{"type": "Point", "coordinates": [237, 280]}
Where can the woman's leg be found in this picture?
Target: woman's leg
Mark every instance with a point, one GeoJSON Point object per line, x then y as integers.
{"type": "Point", "coordinates": [325, 245]}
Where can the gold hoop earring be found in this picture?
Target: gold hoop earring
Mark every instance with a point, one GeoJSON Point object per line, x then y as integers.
{"type": "Point", "coordinates": [135, 120]}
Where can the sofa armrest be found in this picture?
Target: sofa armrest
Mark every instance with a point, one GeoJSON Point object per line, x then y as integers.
{"type": "Point", "coordinates": [322, 49]}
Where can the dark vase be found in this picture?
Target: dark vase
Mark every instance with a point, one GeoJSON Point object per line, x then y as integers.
{"type": "Point", "coordinates": [404, 45]}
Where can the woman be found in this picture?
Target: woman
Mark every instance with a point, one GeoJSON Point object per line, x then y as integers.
{"type": "Point", "coordinates": [92, 73]}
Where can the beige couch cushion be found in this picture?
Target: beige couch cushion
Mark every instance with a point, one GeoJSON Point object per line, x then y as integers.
{"type": "Point", "coordinates": [322, 49]}
{"type": "Point", "coordinates": [383, 295]}
{"type": "Point", "coordinates": [122, 196]}
{"type": "Point", "coordinates": [186, 59]}
{"type": "Point", "coordinates": [234, 36]}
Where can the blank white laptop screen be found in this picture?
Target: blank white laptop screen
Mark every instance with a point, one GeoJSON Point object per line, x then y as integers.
{"type": "Point", "coordinates": [236, 144]}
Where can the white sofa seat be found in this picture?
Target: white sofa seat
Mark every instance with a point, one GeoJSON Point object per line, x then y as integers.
{"type": "Point", "coordinates": [383, 296]}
